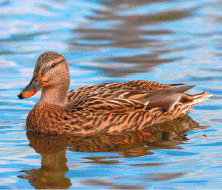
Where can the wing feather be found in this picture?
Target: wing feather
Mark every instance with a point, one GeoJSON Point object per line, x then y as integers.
{"type": "Point", "coordinates": [115, 97]}
{"type": "Point", "coordinates": [115, 105]}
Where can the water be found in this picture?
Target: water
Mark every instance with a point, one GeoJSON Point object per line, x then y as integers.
{"type": "Point", "coordinates": [166, 41]}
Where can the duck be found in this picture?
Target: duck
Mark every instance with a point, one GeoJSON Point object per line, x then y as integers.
{"type": "Point", "coordinates": [110, 107]}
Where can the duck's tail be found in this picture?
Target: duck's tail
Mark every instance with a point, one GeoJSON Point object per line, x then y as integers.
{"type": "Point", "coordinates": [188, 99]}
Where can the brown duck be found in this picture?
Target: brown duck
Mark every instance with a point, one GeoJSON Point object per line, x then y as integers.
{"type": "Point", "coordinates": [104, 108]}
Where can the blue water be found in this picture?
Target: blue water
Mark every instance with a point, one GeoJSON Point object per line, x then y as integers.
{"type": "Point", "coordinates": [171, 41]}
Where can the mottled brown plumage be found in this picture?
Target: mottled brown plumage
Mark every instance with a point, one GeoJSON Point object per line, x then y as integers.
{"type": "Point", "coordinates": [107, 108]}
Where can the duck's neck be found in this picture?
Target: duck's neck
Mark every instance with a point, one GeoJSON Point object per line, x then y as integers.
{"type": "Point", "coordinates": [54, 95]}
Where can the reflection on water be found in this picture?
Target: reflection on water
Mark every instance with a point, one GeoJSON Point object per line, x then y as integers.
{"type": "Point", "coordinates": [131, 144]}
{"type": "Point", "coordinates": [118, 29]}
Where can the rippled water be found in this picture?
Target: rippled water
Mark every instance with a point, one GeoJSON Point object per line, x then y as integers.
{"type": "Point", "coordinates": [168, 41]}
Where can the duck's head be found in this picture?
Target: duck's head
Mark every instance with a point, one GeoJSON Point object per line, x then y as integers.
{"type": "Point", "coordinates": [51, 72]}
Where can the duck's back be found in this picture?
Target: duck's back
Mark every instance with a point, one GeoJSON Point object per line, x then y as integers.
{"type": "Point", "coordinates": [108, 90]}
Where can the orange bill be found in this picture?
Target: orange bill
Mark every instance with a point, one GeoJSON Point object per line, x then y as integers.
{"type": "Point", "coordinates": [34, 86]}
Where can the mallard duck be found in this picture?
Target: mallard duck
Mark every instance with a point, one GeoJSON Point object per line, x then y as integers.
{"type": "Point", "coordinates": [105, 108]}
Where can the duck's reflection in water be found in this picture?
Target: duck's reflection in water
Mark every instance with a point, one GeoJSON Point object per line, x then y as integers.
{"type": "Point", "coordinates": [131, 144]}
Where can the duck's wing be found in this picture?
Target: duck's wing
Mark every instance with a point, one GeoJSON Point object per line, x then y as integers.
{"type": "Point", "coordinates": [112, 105]}
{"type": "Point", "coordinates": [106, 90]}
{"type": "Point", "coordinates": [132, 100]}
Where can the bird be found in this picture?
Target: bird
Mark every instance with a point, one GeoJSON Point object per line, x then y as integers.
{"type": "Point", "coordinates": [110, 107]}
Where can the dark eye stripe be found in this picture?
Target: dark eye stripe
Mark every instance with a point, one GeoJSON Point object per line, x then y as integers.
{"type": "Point", "coordinates": [56, 63]}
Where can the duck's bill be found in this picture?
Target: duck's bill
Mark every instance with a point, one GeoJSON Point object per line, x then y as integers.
{"type": "Point", "coordinates": [34, 86]}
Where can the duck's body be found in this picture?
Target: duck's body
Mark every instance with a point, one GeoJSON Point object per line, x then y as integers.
{"type": "Point", "coordinates": [108, 107]}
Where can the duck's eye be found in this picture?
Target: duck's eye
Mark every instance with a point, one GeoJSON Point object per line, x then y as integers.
{"type": "Point", "coordinates": [53, 65]}
{"type": "Point", "coordinates": [56, 63]}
